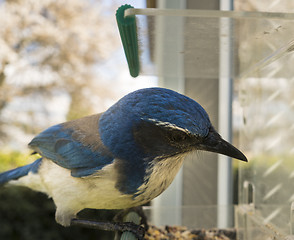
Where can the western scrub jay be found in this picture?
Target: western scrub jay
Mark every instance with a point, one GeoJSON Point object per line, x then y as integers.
{"type": "Point", "coordinates": [121, 158]}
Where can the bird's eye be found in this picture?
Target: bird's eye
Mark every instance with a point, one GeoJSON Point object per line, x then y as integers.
{"type": "Point", "coordinates": [178, 137]}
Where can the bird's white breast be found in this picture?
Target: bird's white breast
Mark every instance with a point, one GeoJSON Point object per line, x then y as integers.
{"type": "Point", "coordinates": [160, 175]}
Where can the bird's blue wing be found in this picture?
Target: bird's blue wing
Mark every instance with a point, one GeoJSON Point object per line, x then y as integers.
{"type": "Point", "coordinates": [74, 146]}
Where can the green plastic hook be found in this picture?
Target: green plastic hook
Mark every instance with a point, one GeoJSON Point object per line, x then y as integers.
{"type": "Point", "coordinates": [128, 33]}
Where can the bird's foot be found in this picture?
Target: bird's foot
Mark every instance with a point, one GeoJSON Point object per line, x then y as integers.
{"type": "Point", "coordinates": [137, 230]}
{"type": "Point", "coordinates": [124, 216]}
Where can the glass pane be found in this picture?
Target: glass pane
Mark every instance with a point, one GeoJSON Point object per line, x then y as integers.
{"type": "Point", "coordinates": [262, 59]}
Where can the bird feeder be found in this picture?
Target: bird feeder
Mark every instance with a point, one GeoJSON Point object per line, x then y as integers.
{"type": "Point", "coordinates": [245, 61]}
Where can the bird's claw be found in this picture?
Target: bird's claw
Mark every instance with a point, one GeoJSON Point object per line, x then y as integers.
{"type": "Point", "coordinates": [137, 230]}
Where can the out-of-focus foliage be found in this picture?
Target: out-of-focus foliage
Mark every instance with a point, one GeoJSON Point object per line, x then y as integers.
{"type": "Point", "coordinates": [29, 215]}
{"type": "Point", "coordinates": [48, 49]}
{"type": "Point", "coordinates": [13, 159]}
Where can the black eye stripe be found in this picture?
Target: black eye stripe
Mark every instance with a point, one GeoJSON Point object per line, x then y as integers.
{"type": "Point", "coordinates": [178, 136]}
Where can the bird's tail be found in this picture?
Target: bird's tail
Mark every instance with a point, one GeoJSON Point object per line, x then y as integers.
{"type": "Point", "coordinates": [17, 173]}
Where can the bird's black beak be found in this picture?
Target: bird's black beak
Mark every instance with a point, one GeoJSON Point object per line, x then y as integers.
{"type": "Point", "coordinates": [214, 143]}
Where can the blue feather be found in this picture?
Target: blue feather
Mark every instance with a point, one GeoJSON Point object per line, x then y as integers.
{"type": "Point", "coordinates": [15, 174]}
{"type": "Point", "coordinates": [66, 145]}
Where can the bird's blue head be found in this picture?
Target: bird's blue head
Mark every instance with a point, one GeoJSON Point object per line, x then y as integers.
{"type": "Point", "coordinates": [157, 122]}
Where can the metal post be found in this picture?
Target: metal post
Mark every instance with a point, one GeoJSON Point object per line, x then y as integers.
{"type": "Point", "coordinates": [168, 204]}
{"type": "Point", "coordinates": [225, 214]}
